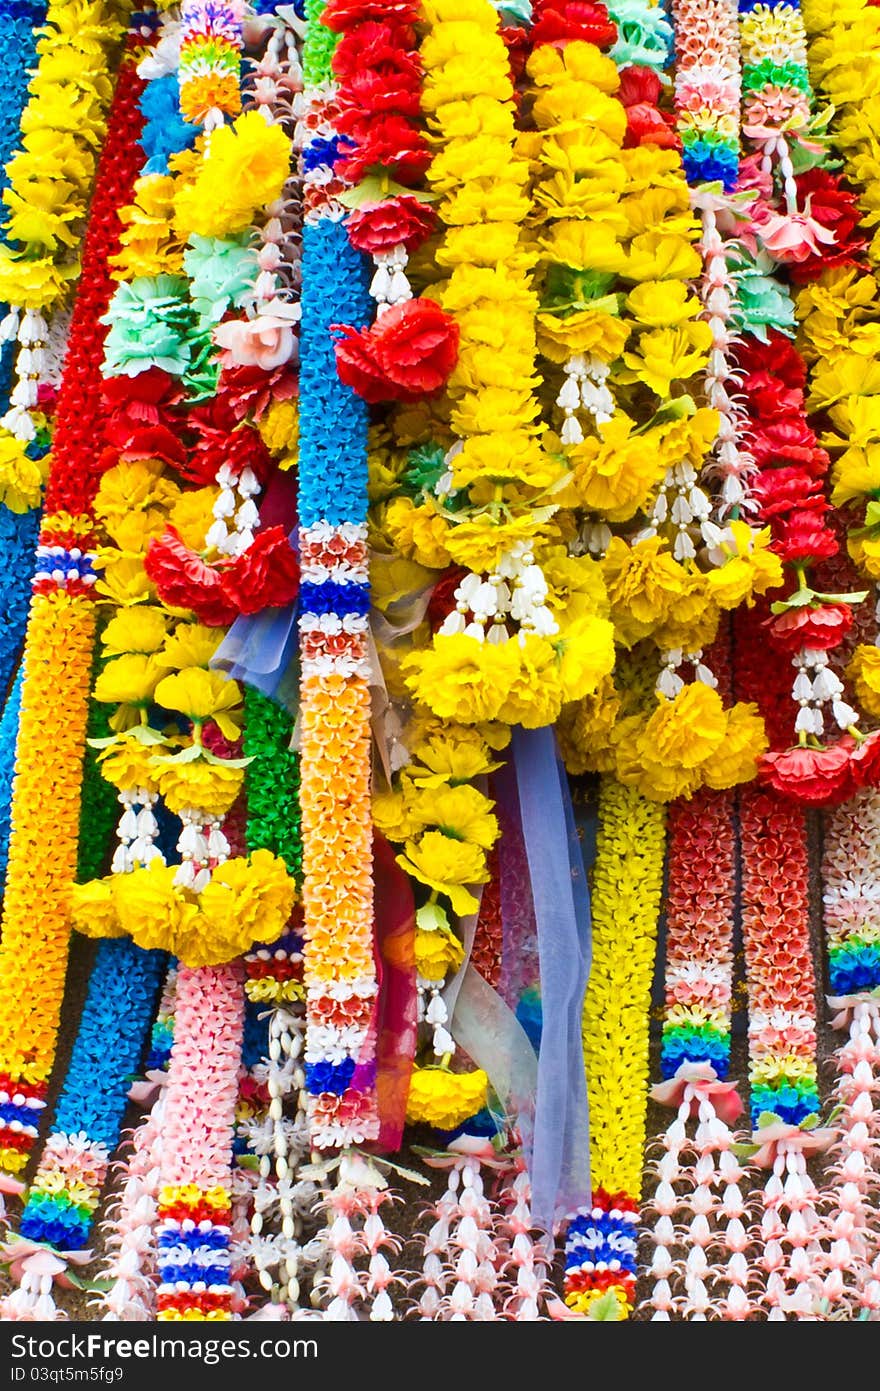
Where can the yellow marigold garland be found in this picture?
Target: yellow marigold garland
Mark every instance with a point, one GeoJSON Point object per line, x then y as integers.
{"type": "Point", "coordinates": [626, 894]}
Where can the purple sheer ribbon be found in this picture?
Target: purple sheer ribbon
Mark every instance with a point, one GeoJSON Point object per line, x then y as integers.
{"type": "Point", "coordinates": [560, 1166]}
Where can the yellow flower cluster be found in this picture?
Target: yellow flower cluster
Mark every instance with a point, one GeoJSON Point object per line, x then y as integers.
{"type": "Point", "coordinates": [444, 1099]}
{"type": "Point", "coordinates": [242, 169]}
{"type": "Point", "coordinates": [626, 893]}
{"type": "Point", "coordinates": [652, 595]}
{"type": "Point", "coordinates": [245, 901]}
{"type": "Point", "coordinates": [688, 742]}
{"type": "Point", "coordinates": [156, 656]}
{"type": "Point", "coordinates": [840, 337]}
{"type": "Point", "coordinates": [62, 129]}
{"type": "Point", "coordinates": [21, 478]}
{"type": "Point", "coordinates": [844, 59]}
{"type": "Point", "coordinates": [839, 312]}
{"type": "Point", "coordinates": [446, 826]}
{"type": "Point", "coordinates": [149, 244]}
{"type": "Point", "coordinates": [617, 243]}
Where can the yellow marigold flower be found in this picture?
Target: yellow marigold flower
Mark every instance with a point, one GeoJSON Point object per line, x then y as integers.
{"type": "Point", "coordinates": [584, 246]}
{"type": "Point", "coordinates": [446, 865]}
{"type": "Point", "coordinates": [34, 283]}
{"type": "Point", "coordinates": [585, 331]}
{"type": "Point", "coordinates": [437, 953]}
{"type": "Point", "coordinates": [245, 901]}
{"type": "Point", "coordinates": [203, 695]}
{"type": "Point", "coordinates": [192, 515]}
{"type": "Point", "coordinates": [144, 631]}
{"type": "Point", "coordinates": [661, 255]}
{"type": "Point", "coordinates": [616, 473]}
{"type": "Point", "coordinates": [666, 355]}
{"type": "Point", "coordinates": [133, 532]}
{"type": "Point", "coordinates": [139, 484]}
{"type": "Point", "coordinates": [21, 478]}
{"type": "Point", "coordinates": [506, 454]}
{"type": "Point", "coordinates": [661, 303]}
{"type": "Point", "coordinates": [637, 767]}
{"type": "Point", "coordinates": [653, 207]}
{"type": "Point", "coordinates": [848, 374]}
{"type": "Point", "coordinates": [244, 169]}
{"type": "Point", "coordinates": [585, 653]}
{"type": "Point", "coordinates": [123, 578]}
{"type": "Point", "coordinates": [498, 244]}
{"type": "Point", "coordinates": [129, 682]}
{"type": "Point", "coordinates": [856, 473]}
{"type": "Point", "coordinates": [484, 157]}
{"type": "Point", "coordinates": [486, 201]}
{"type": "Point", "coordinates": [93, 909]}
{"type": "Point", "coordinates": [585, 729]}
{"type": "Point", "coordinates": [864, 672]}
{"type": "Point", "coordinates": [190, 645]}
{"type": "Point", "coordinates": [127, 763]}
{"type": "Point", "coordinates": [460, 812]}
{"type": "Point", "coordinates": [580, 62]}
{"type": "Point", "coordinates": [688, 436]}
{"type": "Point", "coordinates": [395, 815]}
{"type": "Point", "coordinates": [449, 756]}
{"type": "Point", "coordinates": [686, 730]}
{"type": "Point", "coordinates": [479, 543]}
{"type": "Point", "coordinates": [576, 584]}
{"type": "Point", "coordinates": [212, 787]}
{"type": "Point", "coordinates": [865, 552]}
{"type": "Point", "coordinates": [279, 431]}
{"type": "Point", "coordinates": [644, 582]}
{"type": "Point", "coordinates": [751, 567]}
{"type": "Point", "coordinates": [445, 1099]}
{"type": "Point", "coordinates": [736, 760]}
{"type": "Point", "coordinates": [419, 532]}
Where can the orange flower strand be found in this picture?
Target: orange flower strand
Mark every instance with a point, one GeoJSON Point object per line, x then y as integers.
{"type": "Point", "coordinates": [45, 816]}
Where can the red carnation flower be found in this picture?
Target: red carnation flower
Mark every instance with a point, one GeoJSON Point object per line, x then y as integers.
{"type": "Point", "coordinates": [266, 575]}
{"type": "Point", "coordinates": [379, 50]}
{"type": "Point", "coordinates": [768, 398]}
{"type": "Point", "coordinates": [389, 143]}
{"type": "Point", "coordinates": [815, 777]}
{"type": "Point", "coordinates": [832, 207]}
{"type": "Point", "coordinates": [645, 125]}
{"type": "Point", "coordinates": [250, 391]}
{"type": "Point", "coordinates": [401, 221]}
{"type": "Point", "coordinates": [357, 367]}
{"type": "Point", "coordinates": [783, 490]}
{"type": "Point", "coordinates": [407, 354]}
{"type": "Point", "coordinates": [864, 760]}
{"type": "Point", "coordinates": [639, 86]}
{"type": "Point", "coordinates": [558, 23]}
{"type": "Point", "coordinates": [342, 15]}
{"type": "Point", "coordinates": [442, 600]}
{"type": "Point", "coordinates": [789, 442]}
{"type": "Point", "coordinates": [368, 93]}
{"type": "Point", "coordinates": [786, 363]}
{"type": "Point", "coordinates": [185, 581]}
{"type": "Point", "coordinates": [221, 440]}
{"type": "Point", "coordinates": [803, 539]}
{"type": "Point", "coordinates": [821, 627]}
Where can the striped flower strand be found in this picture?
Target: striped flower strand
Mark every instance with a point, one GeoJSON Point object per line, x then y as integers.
{"type": "Point", "coordinates": [601, 1245]}
{"type": "Point", "coordinates": [58, 659]}
{"type": "Point", "coordinates": [339, 970]}
{"type": "Point", "coordinates": [194, 1206]}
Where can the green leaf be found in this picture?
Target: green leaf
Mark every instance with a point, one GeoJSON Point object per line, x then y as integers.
{"type": "Point", "coordinates": [432, 917]}
{"type": "Point", "coordinates": [606, 1309]}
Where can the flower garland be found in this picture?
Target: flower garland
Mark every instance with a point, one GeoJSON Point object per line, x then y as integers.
{"type": "Point", "coordinates": [514, 647]}
{"type": "Point", "coordinates": [334, 691]}
{"type": "Point", "coordinates": [57, 662]}
{"type": "Point", "coordinates": [600, 1246]}
{"type": "Point", "coordinates": [210, 44]}
{"type": "Point", "coordinates": [198, 1125]}
{"type": "Point", "coordinates": [63, 1197]}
